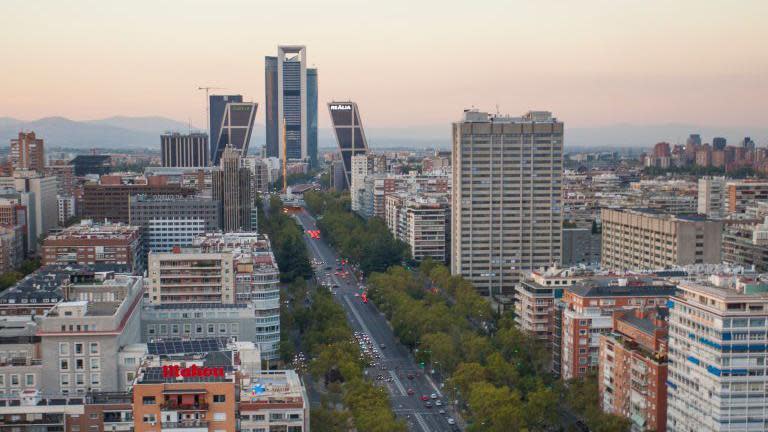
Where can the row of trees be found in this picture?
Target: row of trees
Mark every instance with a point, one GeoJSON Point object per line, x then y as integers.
{"type": "Point", "coordinates": [499, 372]}
{"type": "Point", "coordinates": [352, 402]}
{"type": "Point", "coordinates": [365, 242]}
{"type": "Point", "coordinates": [311, 319]}
{"type": "Point", "coordinates": [287, 241]}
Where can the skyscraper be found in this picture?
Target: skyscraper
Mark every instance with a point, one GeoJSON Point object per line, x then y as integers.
{"type": "Point", "coordinates": [291, 99]}
{"type": "Point", "coordinates": [232, 189]}
{"type": "Point", "coordinates": [350, 136]}
{"type": "Point", "coordinates": [719, 143]}
{"type": "Point", "coordinates": [28, 153]}
{"type": "Point", "coordinates": [216, 106]}
{"type": "Point", "coordinates": [506, 204]}
{"type": "Point", "coordinates": [184, 150]}
{"type": "Point", "coordinates": [236, 128]}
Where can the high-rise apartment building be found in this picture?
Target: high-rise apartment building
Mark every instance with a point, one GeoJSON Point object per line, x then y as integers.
{"type": "Point", "coordinates": [235, 129]}
{"type": "Point", "coordinates": [647, 239]}
{"type": "Point", "coordinates": [535, 300]}
{"type": "Point", "coordinates": [65, 176]}
{"type": "Point", "coordinates": [588, 313]}
{"type": "Point", "coordinates": [231, 186]}
{"type": "Point", "coordinates": [186, 277]}
{"type": "Point", "coordinates": [11, 247]}
{"type": "Point", "coordinates": [717, 352]}
{"type": "Point", "coordinates": [38, 195]}
{"type": "Point", "coordinates": [719, 143]}
{"type": "Point", "coordinates": [711, 192]}
{"type": "Point", "coordinates": [632, 375]}
{"type": "Point", "coordinates": [291, 104]}
{"type": "Point", "coordinates": [184, 150]}
{"type": "Point", "coordinates": [350, 136]}
{"type": "Point", "coordinates": [28, 153]}
{"type": "Point", "coordinates": [362, 166]}
{"type": "Point", "coordinates": [506, 202]}
{"type": "Point", "coordinates": [421, 221]}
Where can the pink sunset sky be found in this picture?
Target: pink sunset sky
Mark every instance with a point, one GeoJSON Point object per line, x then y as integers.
{"type": "Point", "coordinates": [592, 62]}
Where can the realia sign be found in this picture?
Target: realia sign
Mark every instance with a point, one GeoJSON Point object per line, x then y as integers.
{"type": "Point", "coordinates": [191, 372]}
{"type": "Point", "coordinates": [341, 107]}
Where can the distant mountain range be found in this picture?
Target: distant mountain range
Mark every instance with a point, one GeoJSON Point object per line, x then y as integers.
{"type": "Point", "coordinates": [144, 132]}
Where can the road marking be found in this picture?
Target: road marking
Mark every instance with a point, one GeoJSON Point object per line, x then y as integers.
{"type": "Point", "coordinates": [422, 423]}
{"type": "Point", "coordinates": [398, 383]}
{"type": "Point", "coordinates": [365, 327]}
{"type": "Point", "coordinates": [432, 383]}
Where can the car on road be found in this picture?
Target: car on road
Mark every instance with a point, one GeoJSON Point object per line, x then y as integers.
{"type": "Point", "coordinates": [410, 392]}
{"type": "Point", "coordinates": [424, 398]}
{"type": "Point", "coordinates": [383, 346]}
{"type": "Point", "coordinates": [438, 403]}
{"type": "Point", "coordinates": [442, 411]}
{"type": "Point", "coordinates": [428, 404]}
{"type": "Point", "coordinates": [433, 395]}
{"type": "Point", "coordinates": [328, 268]}
{"type": "Point", "coordinates": [410, 376]}
{"type": "Point", "coordinates": [451, 421]}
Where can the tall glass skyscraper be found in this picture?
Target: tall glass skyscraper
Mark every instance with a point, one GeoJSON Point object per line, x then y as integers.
{"type": "Point", "coordinates": [291, 98]}
{"type": "Point", "coordinates": [350, 136]}
{"type": "Point", "coordinates": [216, 106]}
{"type": "Point", "coordinates": [235, 128]}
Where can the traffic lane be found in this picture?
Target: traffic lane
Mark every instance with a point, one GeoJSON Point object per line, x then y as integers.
{"type": "Point", "coordinates": [368, 318]}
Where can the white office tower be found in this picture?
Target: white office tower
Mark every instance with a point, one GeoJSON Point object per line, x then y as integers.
{"type": "Point", "coordinates": [717, 350]}
{"type": "Point", "coordinates": [712, 196]}
{"type": "Point", "coordinates": [506, 213]}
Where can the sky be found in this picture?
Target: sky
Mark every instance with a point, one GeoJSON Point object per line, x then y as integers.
{"type": "Point", "coordinates": [406, 63]}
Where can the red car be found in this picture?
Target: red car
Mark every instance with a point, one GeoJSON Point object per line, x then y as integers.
{"type": "Point", "coordinates": [410, 392]}
{"type": "Point", "coordinates": [424, 398]}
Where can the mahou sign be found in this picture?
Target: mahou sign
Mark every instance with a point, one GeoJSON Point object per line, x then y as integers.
{"type": "Point", "coordinates": [193, 371]}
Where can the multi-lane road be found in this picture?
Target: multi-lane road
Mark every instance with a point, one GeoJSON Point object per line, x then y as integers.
{"type": "Point", "coordinates": [396, 362]}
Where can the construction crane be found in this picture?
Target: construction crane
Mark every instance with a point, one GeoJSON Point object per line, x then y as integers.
{"type": "Point", "coordinates": [207, 107]}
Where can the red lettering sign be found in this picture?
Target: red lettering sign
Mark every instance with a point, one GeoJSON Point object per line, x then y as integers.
{"type": "Point", "coordinates": [191, 372]}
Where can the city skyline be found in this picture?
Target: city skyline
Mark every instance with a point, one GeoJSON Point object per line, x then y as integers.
{"type": "Point", "coordinates": [608, 67]}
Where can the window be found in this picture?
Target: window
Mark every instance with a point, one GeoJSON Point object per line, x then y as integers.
{"type": "Point", "coordinates": [64, 348]}
{"type": "Point", "coordinates": [219, 398]}
{"type": "Point", "coordinates": [2, 380]}
{"type": "Point", "coordinates": [94, 348]}
{"type": "Point", "coordinates": [234, 328]}
{"type": "Point", "coordinates": [130, 361]}
{"type": "Point", "coordinates": [29, 380]}
{"type": "Point", "coordinates": [64, 364]}
{"type": "Point", "coordinates": [96, 379]}
{"type": "Point", "coordinates": [199, 329]}
{"type": "Point", "coordinates": [129, 377]}
{"type": "Point", "coordinates": [149, 418]}
{"type": "Point", "coordinates": [64, 379]}
{"type": "Point", "coordinates": [94, 416]}
{"type": "Point", "coordinates": [151, 329]}
{"type": "Point", "coordinates": [75, 428]}
{"type": "Point", "coordinates": [211, 328]}
{"type": "Point", "coordinates": [95, 364]}
{"type": "Point", "coordinates": [219, 416]}
{"type": "Point", "coordinates": [222, 328]}
{"type": "Point", "coordinates": [79, 379]}
{"type": "Point", "coordinates": [79, 350]}
{"type": "Point", "coordinates": [79, 364]}
{"type": "Point", "coordinates": [148, 400]}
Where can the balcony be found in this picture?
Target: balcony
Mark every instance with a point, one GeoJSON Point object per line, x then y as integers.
{"type": "Point", "coordinates": [172, 405]}
{"type": "Point", "coordinates": [186, 425]}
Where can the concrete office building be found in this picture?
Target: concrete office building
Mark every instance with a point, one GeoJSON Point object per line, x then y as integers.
{"type": "Point", "coordinates": [81, 336]}
{"type": "Point", "coordinates": [645, 239]}
{"type": "Point", "coordinates": [506, 198]}
{"type": "Point", "coordinates": [711, 192]}
{"type": "Point", "coordinates": [28, 153]}
{"type": "Point", "coordinates": [235, 129]}
{"type": "Point", "coordinates": [231, 187]}
{"type": "Point", "coordinates": [173, 220]}
{"type": "Point", "coordinates": [717, 351]}
{"type": "Point", "coordinates": [89, 243]}
{"type": "Point", "coordinates": [184, 150]}
{"type": "Point", "coordinates": [632, 375]}
{"type": "Point", "coordinates": [581, 246]}
{"type": "Point", "coordinates": [350, 136]}
{"type": "Point", "coordinates": [111, 201]}
{"type": "Point", "coordinates": [291, 104]}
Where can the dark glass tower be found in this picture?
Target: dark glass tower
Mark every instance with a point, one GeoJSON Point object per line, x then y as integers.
{"type": "Point", "coordinates": [216, 106]}
{"type": "Point", "coordinates": [312, 116]}
{"type": "Point", "coordinates": [270, 101]}
{"type": "Point", "coordinates": [291, 99]}
{"type": "Point", "coordinates": [349, 133]}
{"type": "Point", "coordinates": [235, 129]}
